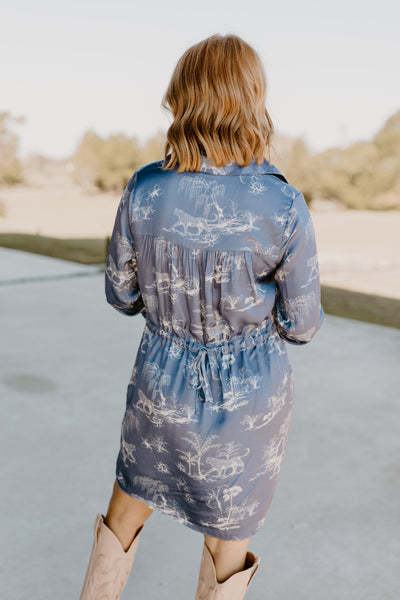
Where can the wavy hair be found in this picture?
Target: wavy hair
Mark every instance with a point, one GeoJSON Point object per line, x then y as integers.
{"type": "Point", "coordinates": [217, 99]}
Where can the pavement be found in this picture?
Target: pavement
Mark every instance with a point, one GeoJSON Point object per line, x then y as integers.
{"type": "Point", "coordinates": [332, 530]}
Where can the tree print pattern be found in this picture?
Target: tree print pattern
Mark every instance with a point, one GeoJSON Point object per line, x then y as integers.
{"type": "Point", "coordinates": [230, 511]}
{"type": "Point", "coordinates": [224, 461]}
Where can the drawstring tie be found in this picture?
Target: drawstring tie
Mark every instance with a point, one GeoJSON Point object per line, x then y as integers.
{"type": "Point", "coordinates": [200, 376]}
{"type": "Point", "coordinates": [219, 371]}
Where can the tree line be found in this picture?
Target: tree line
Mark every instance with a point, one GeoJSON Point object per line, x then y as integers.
{"type": "Point", "coordinates": [364, 175]}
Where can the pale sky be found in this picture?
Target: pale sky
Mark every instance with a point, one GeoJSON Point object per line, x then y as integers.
{"type": "Point", "coordinates": [332, 67]}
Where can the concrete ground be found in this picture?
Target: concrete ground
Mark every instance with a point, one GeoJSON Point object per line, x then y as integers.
{"type": "Point", "coordinates": [332, 530]}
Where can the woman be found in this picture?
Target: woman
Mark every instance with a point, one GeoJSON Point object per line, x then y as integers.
{"type": "Point", "coordinates": [217, 252]}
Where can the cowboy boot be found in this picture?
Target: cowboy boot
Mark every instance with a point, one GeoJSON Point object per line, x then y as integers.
{"type": "Point", "coordinates": [233, 588]}
{"type": "Point", "coordinates": [109, 565]}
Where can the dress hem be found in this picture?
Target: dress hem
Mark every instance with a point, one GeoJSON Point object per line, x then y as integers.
{"type": "Point", "coordinates": [194, 526]}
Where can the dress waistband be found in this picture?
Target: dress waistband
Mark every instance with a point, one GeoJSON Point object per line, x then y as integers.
{"type": "Point", "coordinates": [255, 336]}
{"type": "Point", "coordinates": [203, 352]}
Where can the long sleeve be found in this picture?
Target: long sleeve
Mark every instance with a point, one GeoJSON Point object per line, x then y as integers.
{"type": "Point", "coordinates": [121, 280]}
{"type": "Point", "coordinates": [298, 311]}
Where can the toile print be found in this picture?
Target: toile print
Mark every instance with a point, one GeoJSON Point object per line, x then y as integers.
{"type": "Point", "coordinates": [127, 452]}
{"type": "Point", "coordinates": [236, 390]}
{"type": "Point", "coordinates": [153, 489]}
{"type": "Point", "coordinates": [288, 190]}
{"type": "Point", "coordinates": [309, 230]}
{"type": "Point", "coordinates": [171, 321]}
{"type": "Point", "coordinates": [297, 309]}
{"type": "Point", "coordinates": [255, 184]}
{"type": "Point", "coordinates": [279, 219]}
{"type": "Point", "coordinates": [134, 373]}
{"type": "Point", "coordinates": [130, 423]}
{"type": "Point", "coordinates": [129, 428]}
{"type": "Point", "coordinates": [222, 264]}
{"type": "Point", "coordinates": [155, 493]}
{"type": "Point", "coordinates": [206, 460]}
{"type": "Point", "coordinates": [172, 282]}
{"type": "Point", "coordinates": [156, 405]}
{"type": "Point", "coordinates": [121, 279]}
{"type": "Point", "coordinates": [228, 510]}
{"type": "Point", "coordinates": [150, 300]}
{"type": "Point", "coordinates": [270, 250]}
{"type": "Point", "coordinates": [209, 318]}
{"type": "Point", "coordinates": [241, 302]}
{"type": "Point", "coordinates": [273, 452]}
{"type": "Point", "coordinates": [225, 265]}
{"type": "Point", "coordinates": [275, 344]}
{"type": "Point", "coordinates": [155, 443]}
{"type": "Point", "coordinates": [313, 270]}
{"type": "Point", "coordinates": [214, 215]}
{"type": "Point", "coordinates": [144, 208]}
{"type": "Point", "coordinates": [276, 403]}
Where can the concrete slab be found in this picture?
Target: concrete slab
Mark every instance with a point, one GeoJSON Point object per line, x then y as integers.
{"type": "Point", "coordinates": [332, 530]}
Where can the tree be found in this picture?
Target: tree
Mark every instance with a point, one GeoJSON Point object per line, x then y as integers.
{"type": "Point", "coordinates": [10, 166]}
{"type": "Point", "coordinates": [109, 163]}
{"type": "Point", "coordinates": [106, 164]}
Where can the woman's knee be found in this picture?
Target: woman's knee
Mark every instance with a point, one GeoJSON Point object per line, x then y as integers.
{"type": "Point", "coordinates": [123, 507]}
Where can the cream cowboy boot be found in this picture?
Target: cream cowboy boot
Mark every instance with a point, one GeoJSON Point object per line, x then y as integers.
{"type": "Point", "coordinates": [234, 588]}
{"type": "Point", "coordinates": [109, 565]}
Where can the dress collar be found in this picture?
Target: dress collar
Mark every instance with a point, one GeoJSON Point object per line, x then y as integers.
{"type": "Point", "coordinates": [234, 169]}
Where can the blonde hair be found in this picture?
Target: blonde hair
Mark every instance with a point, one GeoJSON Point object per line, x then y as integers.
{"type": "Point", "coordinates": [217, 99]}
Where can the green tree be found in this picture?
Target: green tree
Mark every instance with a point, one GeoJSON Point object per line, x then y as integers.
{"type": "Point", "coordinates": [10, 166]}
{"type": "Point", "coordinates": [153, 149]}
{"type": "Point", "coordinates": [109, 163]}
{"type": "Point", "coordinates": [365, 175]}
{"type": "Point", "coordinates": [106, 164]}
{"type": "Point", "coordinates": [301, 170]}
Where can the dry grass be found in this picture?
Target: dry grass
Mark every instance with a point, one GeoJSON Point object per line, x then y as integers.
{"type": "Point", "coordinates": [86, 251]}
{"type": "Point", "coordinates": [360, 306]}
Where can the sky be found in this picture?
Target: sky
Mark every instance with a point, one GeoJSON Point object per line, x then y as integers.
{"type": "Point", "coordinates": [332, 67]}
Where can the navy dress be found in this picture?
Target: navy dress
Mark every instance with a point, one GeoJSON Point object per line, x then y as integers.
{"type": "Point", "coordinates": [222, 264]}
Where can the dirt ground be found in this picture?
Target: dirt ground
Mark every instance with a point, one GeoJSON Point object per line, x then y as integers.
{"type": "Point", "coordinates": [358, 250]}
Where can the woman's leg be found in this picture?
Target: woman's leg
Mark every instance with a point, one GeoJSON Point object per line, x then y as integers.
{"type": "Point", "coordinates": [125, 516]}
{"type": "Point", "coordinates": [229, 557]}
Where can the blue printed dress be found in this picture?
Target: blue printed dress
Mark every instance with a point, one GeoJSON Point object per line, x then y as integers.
{"type": "Point", "coordinates": [222, 264]}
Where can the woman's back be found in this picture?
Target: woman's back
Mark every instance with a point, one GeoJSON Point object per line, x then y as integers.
{"type": "Point", "coordinates": [212, 250]}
